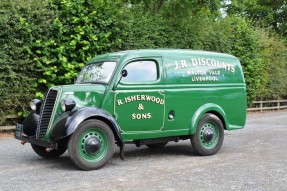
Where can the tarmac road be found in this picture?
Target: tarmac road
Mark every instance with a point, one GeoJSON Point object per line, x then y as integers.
{"type": "Point", "coordinates": [253, 158]}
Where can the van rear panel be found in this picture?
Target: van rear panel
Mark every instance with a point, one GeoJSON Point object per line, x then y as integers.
{"type": "Point", "coordinates": [202, 82]}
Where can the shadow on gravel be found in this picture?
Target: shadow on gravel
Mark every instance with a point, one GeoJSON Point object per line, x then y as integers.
{"type": "Point", "coordinates": [132, 153]}
{"type": "Point", "coordinates": [62, 163]}
{"type": "Point", "coordinates": [145, 152]}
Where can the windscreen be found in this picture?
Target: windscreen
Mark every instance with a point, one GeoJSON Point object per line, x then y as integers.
{"type": "Point", "coordinates": [99, 72]}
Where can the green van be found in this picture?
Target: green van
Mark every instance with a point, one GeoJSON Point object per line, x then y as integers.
{"type": "Point", "coordinates": [143, 97]}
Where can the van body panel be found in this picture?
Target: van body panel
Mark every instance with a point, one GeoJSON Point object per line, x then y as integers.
{"type": "Point", "coordinates": [143, 96]}
{"type": "Point", "coordinates": [191, 83]}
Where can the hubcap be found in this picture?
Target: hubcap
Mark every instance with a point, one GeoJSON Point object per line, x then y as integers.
{"type": "Point", "coordinates": [93, 145]}
{"type": "Point", "coordinates": [209, 135]}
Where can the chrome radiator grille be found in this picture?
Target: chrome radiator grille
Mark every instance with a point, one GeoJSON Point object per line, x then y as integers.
{"type": "Point", "coordinates": [46, 113]}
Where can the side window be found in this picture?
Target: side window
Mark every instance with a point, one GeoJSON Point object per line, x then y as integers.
{"type": "Point", "coordinates": [141, 71]}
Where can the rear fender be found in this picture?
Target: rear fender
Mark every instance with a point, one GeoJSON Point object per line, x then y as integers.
{"type": "Point", "coordinates": [207, 108]}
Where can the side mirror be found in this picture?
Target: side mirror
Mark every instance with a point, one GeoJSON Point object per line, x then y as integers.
{"type": "Point", "coordinates": [124, 73]}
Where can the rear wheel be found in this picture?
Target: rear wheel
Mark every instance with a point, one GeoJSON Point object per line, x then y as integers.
{"type": "Point", "coordinates": [92, 145]}
{"type": "Point", "coordinates": [41, 151]}
{"type": "Point", "coordinates": [209, 135]}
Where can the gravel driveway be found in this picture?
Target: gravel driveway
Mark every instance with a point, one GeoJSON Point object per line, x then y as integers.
{"type": "Point", "coordinates": [253, 158]}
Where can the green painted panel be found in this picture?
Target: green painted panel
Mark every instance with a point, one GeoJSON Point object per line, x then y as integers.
{"type": "Point", "coordinates": [196, 69]}
{"type": "Point", "coordinates": [189, 84]}
{"type": "Point", "coordinates": [139, 111]}
{"type": "Point", "coordinates": [84, 95]}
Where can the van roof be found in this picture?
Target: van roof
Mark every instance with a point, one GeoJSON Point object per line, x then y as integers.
{"type": "Point", "coordinates": [129, 54]}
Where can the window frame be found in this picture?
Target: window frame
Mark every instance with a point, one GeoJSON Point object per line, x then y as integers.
{"type": "Point", "coordinates": [157, 64]}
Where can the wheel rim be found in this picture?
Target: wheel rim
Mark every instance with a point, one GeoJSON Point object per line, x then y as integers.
{"type": "Point", "coordinates": [209, 135]}
{"type": "Point", "coordinates": [84, 141]}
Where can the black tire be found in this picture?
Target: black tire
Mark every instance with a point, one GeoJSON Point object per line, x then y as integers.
{"type": "Point", "coordinates": [156, 145]}
{"type": "Point", "coordinates": [92, 145]}
{"type": "Point", "coordinates": [209, 135]}
{"type": "Point", "coordinates": [41, 151]}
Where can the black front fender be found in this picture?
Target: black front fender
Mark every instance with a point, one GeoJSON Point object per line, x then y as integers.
{"type": "Point", "coordinates": [30, 124]}
{"type": "Point", "coordinates": [68, 124]}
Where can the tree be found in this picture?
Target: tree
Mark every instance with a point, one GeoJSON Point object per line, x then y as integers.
{"type": "Point", "coordinates": [270, 13]}
{"type": "Point", "coordinates": [273, 53]}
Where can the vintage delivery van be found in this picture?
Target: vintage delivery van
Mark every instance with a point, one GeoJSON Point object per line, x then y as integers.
{"type": "Point", "coordinates": [144, 97]}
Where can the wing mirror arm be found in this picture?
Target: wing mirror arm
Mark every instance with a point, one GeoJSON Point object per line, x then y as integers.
{"type": "Point", "coordinates": [124, 74]}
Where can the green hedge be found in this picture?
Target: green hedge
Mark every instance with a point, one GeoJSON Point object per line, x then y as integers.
{"type": "Point", "coordinates": [17, 69]}
{"type": "Point", "coordinates": [233, 35]}
{"type": "Point", "coordinates": [46, 42]}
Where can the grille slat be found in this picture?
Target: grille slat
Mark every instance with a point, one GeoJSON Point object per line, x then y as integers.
{"type": "Point", "coordinates": [46, 113]}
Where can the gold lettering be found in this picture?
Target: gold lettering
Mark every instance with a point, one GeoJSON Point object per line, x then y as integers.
{"type": "Point", "coordinates": [120, 102]}
{"type": "Point", "coordinates": [138, 116]}
{"type": "Point", "coordinates": [194, 62]}
{"type": "Point", "coordinates": [213, 63]}
{"type": "Point", "coordinates": [183, 64]}
{"type": "Point", "coordinates": [133, 98]}
{"type": "Point", "coordinates": [144, 116]}
{"type": "Point", "coordinates": [176, 66]}
{"type": "Point", "coordinates": [143, 97]}
{"type": "Point", "coordinates": [208, 62]}
{"type": "Point", "coordinates": [203, 61]}
{"type": "Point", "coordinates": [128, 99]}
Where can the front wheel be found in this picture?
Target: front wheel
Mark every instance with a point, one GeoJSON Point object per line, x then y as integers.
{"type": "Point", "coordinates": [209, 135]}
{"type": "Point", "coordinates": [92, 145]}
{"type": "Point", "coordinates": [41, 151]}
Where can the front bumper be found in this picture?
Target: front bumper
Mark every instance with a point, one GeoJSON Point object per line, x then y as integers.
{"type": "Point", "coordinates": [32, 139]}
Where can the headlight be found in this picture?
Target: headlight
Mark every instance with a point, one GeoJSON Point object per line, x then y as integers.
{"type": "Point", "coordinates": [67, 104]}
{"type": "Point", "coordinates": [35, 104]}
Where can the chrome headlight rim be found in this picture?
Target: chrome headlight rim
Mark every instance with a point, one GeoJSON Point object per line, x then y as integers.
{"type": "Point", "coordinates": [68, 104]}
{"type": "Point", "coordinates": [35, 104]}
{"type": "Point", "coordinates": [63, 105]}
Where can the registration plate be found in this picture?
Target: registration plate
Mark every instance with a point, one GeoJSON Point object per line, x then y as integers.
{"type": "Point", "coordinates": [19, 130]}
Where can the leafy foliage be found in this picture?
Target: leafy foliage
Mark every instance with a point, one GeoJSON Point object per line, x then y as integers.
{"type": "Point", "coordinates": [80, 30]}
{"type": "Point", "coordinates": [232, 35]}
{"type": "Point", "coordinates": [269, 13]}
{"type": "Point", "coordinates": [273, 53]}
{"type": "Point", "coordinates": [180, 9]}
{"type": "Point", "coordinates": [17, 70]}
{"type": "Point", "coordinates": [245, 45]}
{"type": "Point", "coordinates": [46, 42]}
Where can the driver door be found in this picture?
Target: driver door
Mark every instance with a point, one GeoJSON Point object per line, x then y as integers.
{"type": "Point", "coordinates": [139, 101]}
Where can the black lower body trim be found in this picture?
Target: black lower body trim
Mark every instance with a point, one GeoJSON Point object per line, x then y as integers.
{"type": "Point", "coordinates": [31, 139]}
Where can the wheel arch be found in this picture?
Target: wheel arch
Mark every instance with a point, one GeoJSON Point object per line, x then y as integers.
{"type": "Point", "coordinates": [111, 124]}
{"type": "Point", "coordinates": [208, 108]}
{"type": "Point", "coordinates": [30, 123]}
{"type": "Point", "coordinates": [220, 117]}
{"type": "Point", "coordinates": [77, 117]}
